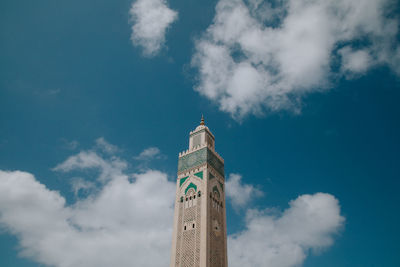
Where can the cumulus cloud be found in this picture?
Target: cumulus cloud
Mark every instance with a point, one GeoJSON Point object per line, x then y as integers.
{"type": "Point", "coordinates": [151, 19]}
{"type": "Point", "coordinates": [127, 220]}
{"type": "Point", "coordinates": [123, 223]}
{"type": "Point", "coordinates": [284, 240]}
{"type": "Point", "coordinates": [240, 194]}
{"type": "Point", "coordinates": [258, 57]}
{"type": "Point", "coordinates": [149, 153]}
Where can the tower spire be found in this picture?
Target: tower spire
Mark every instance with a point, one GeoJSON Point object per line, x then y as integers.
{"type": "Point", "coordinates": [202, 120]}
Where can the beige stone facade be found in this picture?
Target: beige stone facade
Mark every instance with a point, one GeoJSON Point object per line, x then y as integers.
{"type": "Point", "coordinates": [199, 233]}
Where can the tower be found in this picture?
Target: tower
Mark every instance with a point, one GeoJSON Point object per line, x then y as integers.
{"type": "Point", "coordinates": [199, 233]}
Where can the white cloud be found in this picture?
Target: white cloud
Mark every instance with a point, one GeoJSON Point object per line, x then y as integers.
{"type": "Point", "coordinates": [70, 145]}
{"type": "Point", "coordinates": [355, 62]}
{"type": "Point", "coordinates": [79, 184]}
{"type": "Point", "coordinates": [310, 223]}
{"type": "Point", "coordinates": [254, 58]}
{"type": "Point", "coordinates": [149, 153]}
{"type": "Point", "coordinates": [240, 194]}
{"type": "Point", "coordinates": [151, 19]}
{"type": "Point", "coordinates": [91, 160]}
{"type": "Point", "coordinates": [106, 146]}
{"type": "Point", "coordinates": [127, 220]}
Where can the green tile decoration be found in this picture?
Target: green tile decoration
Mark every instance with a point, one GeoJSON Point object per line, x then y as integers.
{"type": "Point", "coordinates": [182, 180]}
{"type": "Point", "coordinates": [199, 157]}
{"type": "Point", "coordinates": [192, 160]}
{"type": "Point", "coordinates": [214, 161]}
{"type": "Point", "coordinates": [199, 174]}
{"type": "Point", "coordinates": [211, 176]}
{"type": "Point", "coordinates": [191, 185]}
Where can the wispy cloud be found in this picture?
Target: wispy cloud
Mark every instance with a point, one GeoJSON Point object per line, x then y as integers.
{"type": "Point", "coordinates": [151, 19]}
{"type": "Point", "coordinates": [255, 57]}
{"type": "Point", "coordinates": [106, 146]}
{"type": "Point", "coordinates": [240, 194]}
{"type": "Point", "coordinates": [109, 168]}
{"type": "Point", "coordinates": [80, 184]}
{"type": "Point", "coordinates": [54, 91]}
{"type": "Point", "coordinates": [149, 153]}
{"type": "Point", "coordinates": [70, 145]}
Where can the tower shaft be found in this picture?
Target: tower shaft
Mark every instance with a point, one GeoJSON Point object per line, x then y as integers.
{"type": "Point", "coordinates": [199, 233]}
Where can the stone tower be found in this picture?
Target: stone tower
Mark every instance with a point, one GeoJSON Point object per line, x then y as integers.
{"type": "Point", "coordinates": [199, 234]}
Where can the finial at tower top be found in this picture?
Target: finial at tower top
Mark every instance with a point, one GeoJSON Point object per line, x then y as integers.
{"type": "Point", "coordinates": [202, 120]}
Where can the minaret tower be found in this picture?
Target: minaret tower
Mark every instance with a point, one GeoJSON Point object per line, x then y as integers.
{"type": "Point", "coordinates": [199, 234]}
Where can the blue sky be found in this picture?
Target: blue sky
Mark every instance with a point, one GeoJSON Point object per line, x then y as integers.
{"type": "Point", "coordinates": [96, 106]}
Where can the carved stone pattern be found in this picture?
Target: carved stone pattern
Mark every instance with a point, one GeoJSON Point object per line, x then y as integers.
{"type": "Point", "coordinates": [193, 159]}
{"type": "Point", "coordinates": [188, 241]}
{"type": "Point", "coordinates": [200, 157]}
{"type": "Point", "coordinates": [196, 140]}
{"type": "Point", "coordinates": [203, 130]}
{"type": "Point", "coordinates": [179, 237]}
{"type": "Point", "coordinates": [198, 233]}
{"type": "Point", "coordinates": [217, 257]}
{"type": "Point", "coordinates": [215, 162]}
{"type": "Point", "coordinates": [187, 248]}
{"type": "Point", "coordinates": [190, 214]}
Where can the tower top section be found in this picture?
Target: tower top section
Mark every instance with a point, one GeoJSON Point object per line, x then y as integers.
{"type": "Point", "coordinates": [202, 127]}
{"type": "Point", "coordinates": [201, 151]}
{"type": "Point", "coordinates": [201, 136]}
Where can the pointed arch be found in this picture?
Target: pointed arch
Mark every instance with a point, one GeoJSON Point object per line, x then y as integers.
{"type": "Point", "coordinates": [215, 190]}
{"type": "Point", "coordinates": [191, 185]}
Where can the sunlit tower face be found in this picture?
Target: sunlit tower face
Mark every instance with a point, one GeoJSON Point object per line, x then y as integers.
{"type": "Point", "coordinates": [199, 234]}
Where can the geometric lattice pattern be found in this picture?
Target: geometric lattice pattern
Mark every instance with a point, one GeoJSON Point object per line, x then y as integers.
{"type": "Point", "coordinates": [188, 240]}
{"type": "Point", "coordinates": [217, 240]}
